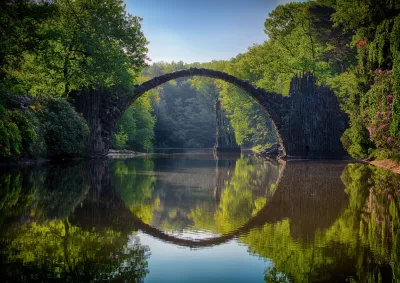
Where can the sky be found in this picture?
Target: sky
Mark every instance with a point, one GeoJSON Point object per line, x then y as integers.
{"type": "Point", "coordinates": [201, 30]}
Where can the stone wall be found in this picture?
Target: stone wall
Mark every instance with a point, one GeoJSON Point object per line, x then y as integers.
{"type": "Point", "coordinates": [314, 123]}
{"type": "Point", "coordinates": [89, 103]}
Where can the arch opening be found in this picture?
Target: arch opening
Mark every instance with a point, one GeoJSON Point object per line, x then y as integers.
{"type": "Point", "coordinates": [259, 95]}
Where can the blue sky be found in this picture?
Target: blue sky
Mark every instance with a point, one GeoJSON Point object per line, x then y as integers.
{"type": "Point", "coordinates": [202, 30]}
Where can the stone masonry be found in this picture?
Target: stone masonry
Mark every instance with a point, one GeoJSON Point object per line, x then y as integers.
{"type": "Point", "coordinates": [309, 122]}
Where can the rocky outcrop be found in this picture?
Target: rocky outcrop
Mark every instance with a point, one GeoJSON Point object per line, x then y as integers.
{"type": "Point", "coordinates": [273, 152]}
{"type": "Point", "coordinates": [225, 141]}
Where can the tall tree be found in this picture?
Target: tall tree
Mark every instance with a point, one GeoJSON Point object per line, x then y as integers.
{"type": "Point", "coordinates": [84, 43]}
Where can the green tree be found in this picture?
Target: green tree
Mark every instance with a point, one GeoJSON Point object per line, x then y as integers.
{"type": "Point", "coordinates": [371, 89]}
{"type": "Point", "coordinates": [84, 44]}
{"type": "Point", "coordinates": [135, 129]}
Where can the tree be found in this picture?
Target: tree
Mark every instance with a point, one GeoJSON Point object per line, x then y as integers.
{"type": "Point", "coordinates": [135, 129]}
{"type": "Point", "coordinates": [371, 89]}
{"type": "Point", "coordinates": [85, 43]}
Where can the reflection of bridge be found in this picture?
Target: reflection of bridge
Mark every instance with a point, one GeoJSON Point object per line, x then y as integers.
{"type": "Point", "coordinates": [109, 206]}
{"type": "Point", "coordinates": [309, 194]}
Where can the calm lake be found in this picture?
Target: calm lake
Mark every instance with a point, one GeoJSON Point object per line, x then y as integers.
{"type": "Point", "coordinates": [184, 216]}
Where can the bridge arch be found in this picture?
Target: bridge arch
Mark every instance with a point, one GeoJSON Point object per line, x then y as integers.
{"type": "Point", "coordinates": [271, 102]}
{"type": "Point", "coordinates": [309, 122]}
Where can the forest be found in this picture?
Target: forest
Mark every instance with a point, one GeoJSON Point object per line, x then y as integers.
{"type": "Point", "coordinates": [51, 49]}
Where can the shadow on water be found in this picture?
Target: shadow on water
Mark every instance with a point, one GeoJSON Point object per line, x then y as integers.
{"type": "Point", "coordinates": [314, 221]}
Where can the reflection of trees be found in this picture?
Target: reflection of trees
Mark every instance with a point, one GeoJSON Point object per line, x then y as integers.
{"type": "Point", "coordinates": [17, 191]}
{"type": "Point", "coordinates": [238, 193]}
{"type": "Point", "coordinates": [45, 245]}
{"type": "Point", "coordinates": [57, 250]}
{"type": "Point", "coordinates": [134, 182]}
{"type": "Point", "coordinates": [361, 245]}
{"type": "Point", "coordinates": [243, 195]}
{"type": "Point", "coordinates": [50, 193]}
{"type": "Point", "coordinates": [65, 187]}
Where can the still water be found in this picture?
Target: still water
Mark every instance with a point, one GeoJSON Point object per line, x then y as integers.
{"type": "Point", "coordinates": [187, 217]}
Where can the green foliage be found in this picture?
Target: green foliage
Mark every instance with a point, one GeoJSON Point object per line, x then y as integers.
{"type": "Point", "coordinates": [185, 115]}
{"type": "Point", "coordinates": [48, 127]}
{"type": "Point", "coordinates": [53, 48]}
{"type": "Point", "coordinates": [120, 139]}
{"type": "Point", "coordinates": [64, 130]}
{"type": "Point", "coordinates": [135, 129]}
{"type": "Point", "coordinates": [82, 44]}
{"type": "Point", "coordinates": [20, 22]}
{"type": "Point", "coordinates": [50, 48]}
{"type": "Point", "coordinates": [301, 39]}
{"type": "Point", "coordinates": [395, 50]}
{"type": "Point", "coordinates": [349, 88]}
{"type": "Point", "coordinates": [10, 136]}
{"type": "Point", "coordinates": [356, 140]}
{"type": "Point", "coordinates": [271, 275]}
{"type": "Point", "coordinates": [248, 119]}
{"type": "Point", "coordinates": [33, 144]}
{"type": "Point", "coordinates": [241, 195]}
{"type": "Point", "coordinates": [373, 99]}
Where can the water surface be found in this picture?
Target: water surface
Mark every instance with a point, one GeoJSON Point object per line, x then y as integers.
{"type": "Point", "coordinates": [179, 217]}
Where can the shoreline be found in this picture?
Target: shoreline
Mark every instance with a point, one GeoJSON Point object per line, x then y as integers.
{"type": "Point", "coordinates": [43, 161]}
{"type": "Point", "coordinates": [386, 164]}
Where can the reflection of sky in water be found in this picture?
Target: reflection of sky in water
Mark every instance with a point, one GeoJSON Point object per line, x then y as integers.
{"type": "Point", "coordinates": [229, 262]}
{"type": "Point", "coordinates": [193, 234]}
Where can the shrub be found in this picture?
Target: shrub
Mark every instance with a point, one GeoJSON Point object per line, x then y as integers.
{"type": "Point", "coordinates": [378, 103]}
{"type": "Point", "coordinates": [64, 130]}
{"type": "Point", "coordinates": [356, 140]}
{"type": "Point", "coordinates": [10, 136]}
{"type": "Point", "coordinates": [120, 138]}
{"type": "Point", "coordinates": [33, 144]}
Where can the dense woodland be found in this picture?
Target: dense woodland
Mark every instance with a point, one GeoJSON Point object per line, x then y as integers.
{"type": "Point", "coordinates": [49, 49]}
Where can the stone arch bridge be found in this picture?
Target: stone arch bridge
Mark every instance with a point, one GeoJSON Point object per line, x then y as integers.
{"type": "Point", "coordinates": [309, 122]}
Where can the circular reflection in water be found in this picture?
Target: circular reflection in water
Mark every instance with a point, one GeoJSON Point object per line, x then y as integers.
{"type": "Point", "coordinates": [195, 196]}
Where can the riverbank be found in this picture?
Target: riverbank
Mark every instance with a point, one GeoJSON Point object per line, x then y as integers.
{"type": "Point", "coordinates": [386, 163]}
{"type": "Point", "coordinates": [41, 161]}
